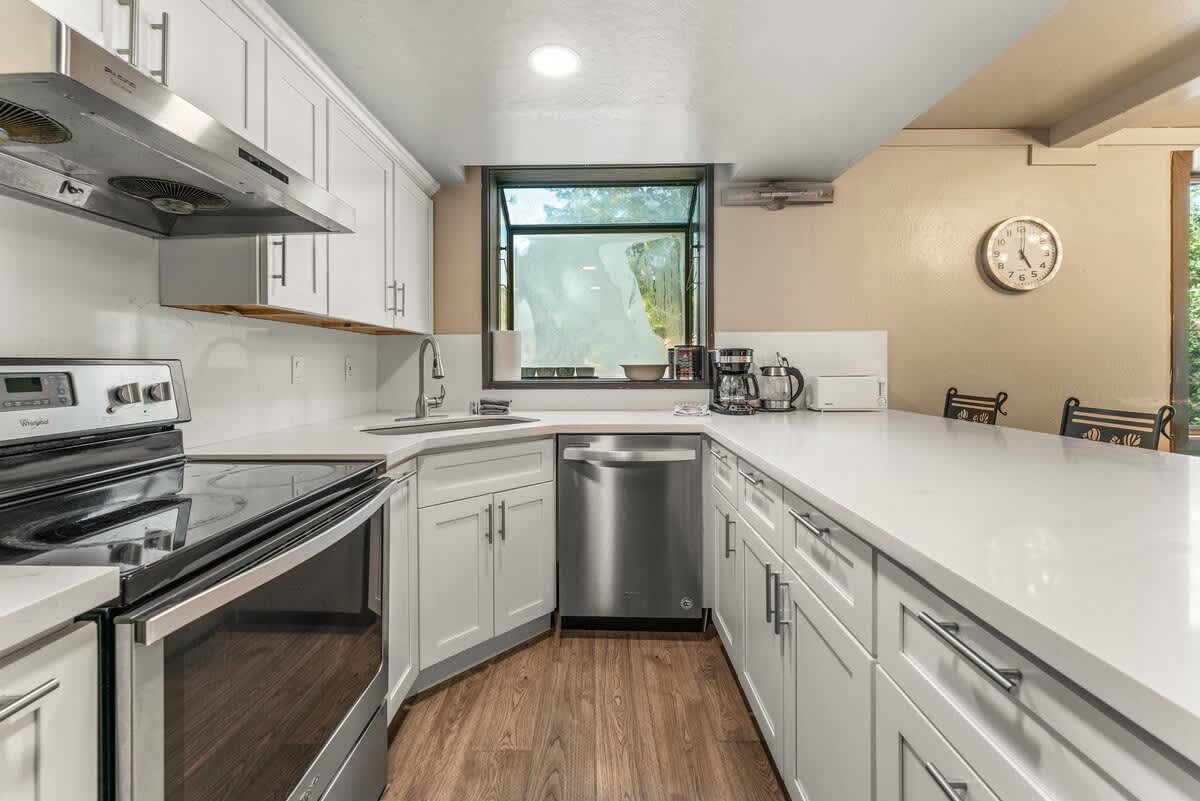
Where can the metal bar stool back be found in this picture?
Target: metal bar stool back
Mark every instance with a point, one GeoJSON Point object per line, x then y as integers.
{"type": "Point", "coordinates": [974, 408]}
{"type": "Point", "coordinates": [1132, 429]}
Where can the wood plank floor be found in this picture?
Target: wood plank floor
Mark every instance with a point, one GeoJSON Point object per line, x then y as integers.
{"type": "Point", "coordinates": [593, 716]}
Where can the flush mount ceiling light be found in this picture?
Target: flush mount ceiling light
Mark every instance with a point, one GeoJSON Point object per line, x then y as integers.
{"type": "Point", "coordinates": [554, 61]}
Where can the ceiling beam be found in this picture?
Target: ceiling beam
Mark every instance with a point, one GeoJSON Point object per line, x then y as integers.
{"type": "Point", "coordinates": [1168, 87]}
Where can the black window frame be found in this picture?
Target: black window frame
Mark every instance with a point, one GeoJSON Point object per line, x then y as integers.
{"type": "Point", "coordinates": [495, 252]}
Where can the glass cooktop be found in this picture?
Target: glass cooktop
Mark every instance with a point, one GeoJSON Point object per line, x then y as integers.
{"type": "Point", "coordinates": [169, 516]}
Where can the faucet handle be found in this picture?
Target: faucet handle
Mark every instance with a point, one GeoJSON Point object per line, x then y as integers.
{"type": "Point", "coordinates": [436, 401]}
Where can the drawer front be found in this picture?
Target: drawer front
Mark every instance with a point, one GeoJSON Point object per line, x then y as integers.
{"type": "Point", "coordinates": [760, 501]}
{"type": "Point", "coordinates": [913, 761]}
{"type": "Point", "coordinates": [48, 745]}
{"type": "Point", "coordinates": [836, 565]}
{"type": "Point", "coordinates": [454, 475]}
{"type": "Point", "coordinates": [1027, 734]}
{"type": "Point", "coordinates": [724, 471]}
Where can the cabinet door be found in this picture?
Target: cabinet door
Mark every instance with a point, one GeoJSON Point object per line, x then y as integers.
{"type": "Point", "coordinates": [296, 133]}
{"type": "Point", "coordinates": [455, 577]}
{"type": "Point", "coordinates": [524, 553]}
{"type": "Point", "coordinates": [827, 693]}
{"type": "Point", "coordinates": [727, 593]}
{"type": "Point", "coordinates": [414, 256]}
{"type": "Point", "coordinates": [95, 19]}
{"type": "Point", "coordinates": [402, 593]}
{"type": "Point", "coordinates": [360, 173]}
{"type": "Point", "coordinates": [212, 54]}
{"type": "Point", "coordinates": [49, 748]}
{"type": "Point", "coordinates": [913, 761]}
{"type": "Point", "coordinates": [763, 649]}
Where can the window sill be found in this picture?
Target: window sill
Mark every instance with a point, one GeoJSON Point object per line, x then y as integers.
{"type": "Point", "coordinates": [596, 383]}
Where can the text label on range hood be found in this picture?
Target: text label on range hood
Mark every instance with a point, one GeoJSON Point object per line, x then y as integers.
{"type": "Point", "coordinates": [84, 132]}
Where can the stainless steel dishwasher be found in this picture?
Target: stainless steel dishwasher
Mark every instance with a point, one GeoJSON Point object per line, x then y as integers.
{"type": "Point", "coordinates": [629, 527]}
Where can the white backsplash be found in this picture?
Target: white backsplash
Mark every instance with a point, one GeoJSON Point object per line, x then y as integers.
{"type": "Point", "coordinates": [74, 288]}
{"type": "Point", "coordinates": [813, 352]}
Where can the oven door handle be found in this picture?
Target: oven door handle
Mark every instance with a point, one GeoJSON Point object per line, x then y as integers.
{"type": "Point", "coordinates": [159, 624]}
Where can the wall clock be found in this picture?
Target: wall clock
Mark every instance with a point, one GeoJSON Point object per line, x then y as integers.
{"type": "Point", "coordinates": [1021, 254]}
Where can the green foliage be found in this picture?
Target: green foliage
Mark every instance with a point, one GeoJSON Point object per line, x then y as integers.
{"type": "Point", "coordinates": [607, 205]}
{"type": "Point", "coordinates": [1194, 308]}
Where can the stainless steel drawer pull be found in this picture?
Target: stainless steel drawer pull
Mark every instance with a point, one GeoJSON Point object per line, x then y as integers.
{"type": "Point", "coordinates": [769, 593]}
{"type": "Point", "coordinates": [12, 704]}
{"type": "Point", "coordinates": [729, 524]}
{"type": "Point", "coordinates": [502, 516]}
{"type": "Point", "coordinates": [577, 453]}
{"type": "Point", "coordinates": [750, 478]}
{"type": "Point", "coordinates": [952, 790]}
{"type": "Point", "coordinates": [805, 520]}
{"type": "Point", "coordinates": [281, 276]}
{"type": "Point", "coordinates": [165, 26]}
{"type": "Point", "coordinates": [718, 455]}
{"type": "Point", "coordinates": [490, 537]}
{"type": "Point", "coordinates": [779, 621]}
{"type": "Point", "coordinates": [134, 7]}
{"type": "Point", "coordinates": [1004, 678]}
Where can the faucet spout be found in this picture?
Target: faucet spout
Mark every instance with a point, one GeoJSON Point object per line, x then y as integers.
{"type": "Point", "coordinates": [427, 402]}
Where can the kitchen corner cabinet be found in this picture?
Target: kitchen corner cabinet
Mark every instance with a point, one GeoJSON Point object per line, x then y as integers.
{"type": "Point", "coordinates": [212, 54]}
{"type": "Point", "coordinates": [486, 567]}
{"type": "Point", "coordinates": [727, 590]}
{"type": "Point", "coordinates": [49, 748]}
{"type": "Point", "coordinates": [402, 618]}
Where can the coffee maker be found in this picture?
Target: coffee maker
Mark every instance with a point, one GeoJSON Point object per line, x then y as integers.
{"type": "Point", "coordinates": [733, 384]}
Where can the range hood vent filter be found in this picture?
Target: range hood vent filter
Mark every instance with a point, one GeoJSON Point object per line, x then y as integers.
{"type": "Point", "coordinates": [20, 124]}
{"type": "Point", "coordinates": [169, 196]}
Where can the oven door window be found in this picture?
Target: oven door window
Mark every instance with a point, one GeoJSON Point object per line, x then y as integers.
{"type": "Point", "coordinates": [253, 690]}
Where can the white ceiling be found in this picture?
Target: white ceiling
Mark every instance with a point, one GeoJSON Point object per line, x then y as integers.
{"type": "Point", "coordinates": [778, 88]}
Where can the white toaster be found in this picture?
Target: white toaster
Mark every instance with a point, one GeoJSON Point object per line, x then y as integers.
{"type": "Point", "coordinates": [846, 393]}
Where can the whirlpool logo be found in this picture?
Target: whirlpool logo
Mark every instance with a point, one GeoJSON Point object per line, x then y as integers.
{"type": "Point", "coordinates": [34, 422]}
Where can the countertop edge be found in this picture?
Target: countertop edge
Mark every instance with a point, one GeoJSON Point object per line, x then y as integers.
{"type": "Point", "coordinates": [54, 596]}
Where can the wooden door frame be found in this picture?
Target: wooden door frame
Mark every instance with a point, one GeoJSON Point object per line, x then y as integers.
{"type": "Point", "coordinates": [1181, 179]}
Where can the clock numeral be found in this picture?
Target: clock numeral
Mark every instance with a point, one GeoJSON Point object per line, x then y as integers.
{"type": "Point", "coordinates": [996, 253]}
{"type": "Point", "coordinates": [1042, 266]}
{"type": "Point", "coordinates": [1001, 243]}
{"type": "Point", "coordinates": [1010, 275]}
{"type": "Point", "coordinates": [1021, 277]}
{"type": "Point", "coordinates": [1034, 276]}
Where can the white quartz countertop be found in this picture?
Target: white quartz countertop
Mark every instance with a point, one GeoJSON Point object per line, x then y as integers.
{"type": "Point", "coordinates": [1086, 555]}
{"type": "Point", "coordinates": [37, 600]}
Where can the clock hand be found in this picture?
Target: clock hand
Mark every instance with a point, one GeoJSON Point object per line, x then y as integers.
{"type": "Point", "coordinates": [1025, 259]}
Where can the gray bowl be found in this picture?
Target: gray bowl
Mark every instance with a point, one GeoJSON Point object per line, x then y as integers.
{"type": "Point", "coordinates": [565, 372]}
{"type": "Point", "coordinates": [644, 372]}
{"type": "Point", "coordinates": [585, 372]}
{"type": "Point", "coordinates": [545, 372]}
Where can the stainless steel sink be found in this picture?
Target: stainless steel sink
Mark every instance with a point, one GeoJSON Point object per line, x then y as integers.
{"type": "Point", "coordinates": [425, 425]}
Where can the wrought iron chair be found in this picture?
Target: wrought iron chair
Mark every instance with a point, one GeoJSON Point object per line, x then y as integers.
{"type": "Point", "coordinates": [1132, 429]}
{"type": "Point", "coordinates": [974, 408]}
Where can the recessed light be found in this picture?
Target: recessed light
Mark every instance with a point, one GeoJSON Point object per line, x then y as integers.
{"type": "Point", "coordinates": [554, 61]}
{"type": "Point", "coordinates": [588, 267]}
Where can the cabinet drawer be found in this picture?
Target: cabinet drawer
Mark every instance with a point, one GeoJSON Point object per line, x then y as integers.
{"type": "Point", "coordinates": [453, 475]}
{"type": "Point", "coordinates": [724, 471]}
{"type": "Point", "coordinates": [913, 761]}
{"type": "Point", "coordinates": [760, 501]}
{"type": "Point", "coordinates": [836, 565]}
{"type": "Point", "coordinates": [1028, 735]}
{"type": "Point", "coordinates": [48, 746]}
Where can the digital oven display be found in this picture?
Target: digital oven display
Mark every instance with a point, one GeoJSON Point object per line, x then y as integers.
{"type": "Point", "coordinates": [17, 384]}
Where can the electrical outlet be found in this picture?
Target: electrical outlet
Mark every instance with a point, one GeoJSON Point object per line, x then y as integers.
{"type": "Point", "coordinates": [297, 369]}
{"type": "Point", "coordinates": [349, 369]}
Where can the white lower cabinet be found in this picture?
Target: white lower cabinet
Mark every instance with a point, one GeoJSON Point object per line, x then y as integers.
{"type": "Point", "coordinates": [402, 605]}
{"type": "Point", "coordinates": [49, 703]}
{"type": "Point", "coordinates": [524, 556]}
{"type": "Point", "coordinates": [763, 644]}
{"type": "Point", "coordinates": [913, 762]}
{"type": "Point", "coordinates": [727, 590]}
{"type": "Point", "coordinates": [827, 703]}
{"type": "Point", "coordinates": [486, 567]}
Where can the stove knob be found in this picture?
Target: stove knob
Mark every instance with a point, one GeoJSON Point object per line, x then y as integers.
{"type": "Point", "coordinates": [159, 392]}
{"type": "Point", "coordinates": [127, 394]}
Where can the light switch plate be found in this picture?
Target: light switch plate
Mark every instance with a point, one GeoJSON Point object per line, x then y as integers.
{"type": "Point", "coordinates": [297, 369]}
{"type": "Point", "coordinates": [348, 372]}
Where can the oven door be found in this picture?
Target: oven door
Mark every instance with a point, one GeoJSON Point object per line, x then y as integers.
{"type": "Point", "coordinates": [254, 682]}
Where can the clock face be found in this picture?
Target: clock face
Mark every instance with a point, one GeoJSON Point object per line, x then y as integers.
{"type": "Point", "coordinates": [1021, 254]}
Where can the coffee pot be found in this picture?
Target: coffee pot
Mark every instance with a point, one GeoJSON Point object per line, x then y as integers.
{"type": "Point", "coordinates": [781, 384]}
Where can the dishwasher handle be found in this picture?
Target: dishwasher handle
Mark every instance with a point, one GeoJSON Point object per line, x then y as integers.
{"type": "Point", "coordinates": [577, 453]}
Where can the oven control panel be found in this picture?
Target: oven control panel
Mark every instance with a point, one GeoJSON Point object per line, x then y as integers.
{"type": "Point", "coordinates": [23, 391]}
{"type": "Point", "coordinates": [59, 398]}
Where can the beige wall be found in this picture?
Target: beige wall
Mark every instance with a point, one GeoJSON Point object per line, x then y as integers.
{"type": "Point", "coordinates": [897, 252]}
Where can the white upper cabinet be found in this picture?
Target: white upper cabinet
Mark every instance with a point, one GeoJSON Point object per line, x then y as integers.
{"type": "Point", "coordinates": [296, 133]}
{"type": "Point", "coordinates": [414, 256]}
{"type": "Point", "coordinates": [212, 54]}
{"type": "Point", "coordinates": [360, 173]}
{"type": "Point", "coordinates": [95, 19]}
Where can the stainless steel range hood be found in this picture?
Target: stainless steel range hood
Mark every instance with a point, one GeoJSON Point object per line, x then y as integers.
{"type": "Point", "coordinates": [83, 131]}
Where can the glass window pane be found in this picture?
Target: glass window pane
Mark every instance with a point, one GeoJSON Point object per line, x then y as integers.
{"type": "Point", "coordinates": [599, 205]}
{"type": "Point", "coordinates": [599, 300]}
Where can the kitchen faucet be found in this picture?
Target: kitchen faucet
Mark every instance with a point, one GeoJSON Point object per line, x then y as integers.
{"type": "Point", "coordinates": [427, 402]}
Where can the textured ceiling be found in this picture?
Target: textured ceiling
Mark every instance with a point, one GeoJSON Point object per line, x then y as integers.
{"type": "Point", "coordinates": [1076, 57]}
{"type": "Point", "coordinates": [778, 88]}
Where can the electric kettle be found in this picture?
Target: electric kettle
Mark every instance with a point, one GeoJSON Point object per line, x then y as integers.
{"type": "Point", "coordinates": [776, 391]}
